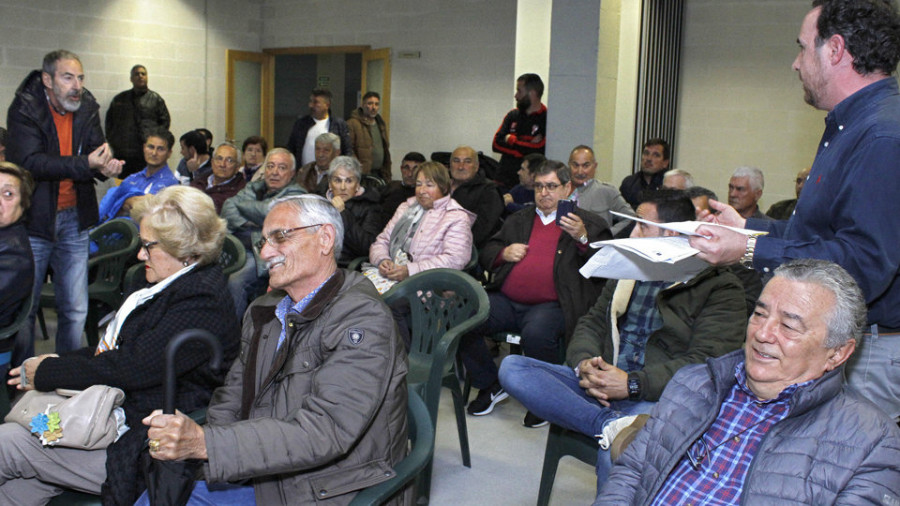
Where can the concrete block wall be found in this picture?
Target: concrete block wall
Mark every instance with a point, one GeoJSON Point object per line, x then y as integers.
{"type": "Point", "coordinates": [457, 91]}
{"type": "Point", "coordinates": [741, 103]}
{"type": "Point", "coordinates": [181, 42]}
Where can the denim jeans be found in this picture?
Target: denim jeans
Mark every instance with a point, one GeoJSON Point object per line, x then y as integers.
{"type": "Point", "coordinates": [873, 370]}
{"type": "Point", "coordinates": [551, 392]}
{"type": "Point", "coordinates": [540, 325]}
{"type": "Point", "coordinates": [68, 256]}
{"type": "Point", "coordinates": [217, 494]}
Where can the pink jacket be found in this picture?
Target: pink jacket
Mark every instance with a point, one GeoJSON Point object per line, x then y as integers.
{"type": "Point", "coordinates": [443, 238]}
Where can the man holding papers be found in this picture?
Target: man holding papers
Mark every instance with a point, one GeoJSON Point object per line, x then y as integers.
{"type": "Point", "coordinates": [627, 347]}
{"type": "Point", "coordinates": [848, 211]}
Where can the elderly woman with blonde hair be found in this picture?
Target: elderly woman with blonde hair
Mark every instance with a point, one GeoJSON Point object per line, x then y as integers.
{"type": "Point", "coordinates": [181, 239]}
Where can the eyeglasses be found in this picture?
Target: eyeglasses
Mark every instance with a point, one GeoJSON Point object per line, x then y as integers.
{"type": "Point", "coordinates": [147, 245]}
{"type": "Point", "coordinates": [278, 237]}
{"type": "Point", "coordinates": [697, 453]}
{"type": "Point", "coordinates": [540, 187]}
{"type": "Point", "coordinates": [229, 160]}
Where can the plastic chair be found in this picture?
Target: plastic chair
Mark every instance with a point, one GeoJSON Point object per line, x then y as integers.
{"type": "Point", "coordinates": [444, 305]}
{"type": "Point", "coordinates": [7, 341]}
{"type": "Point", "coordinates": [421, 438]}
{"type": "Point", "coordinates": [562, 442]}
{"type": "Point", "coordinates": [118, 243]}
{"type": "Point", "coordinates": [233, 255]}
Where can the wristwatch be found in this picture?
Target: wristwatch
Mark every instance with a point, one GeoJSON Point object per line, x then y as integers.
{"type": "Point", "coordinates": [634, 387]}
{"type": "Point", "coordinates": [583, 239]}
{"type": "Point", "coordinates": [747, 259]}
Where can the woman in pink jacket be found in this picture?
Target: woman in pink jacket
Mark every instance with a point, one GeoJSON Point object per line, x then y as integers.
{"type": "Point", "coordinates": [428, 231]}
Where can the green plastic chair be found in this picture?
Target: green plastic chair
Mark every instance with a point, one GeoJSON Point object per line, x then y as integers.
{"type": "Point", "coordinates": [118, 243]}
{"type": "Point", "coordinates": [7, 341]}
{"type": "Point", "coordinates": [444, 305]}
{"type": "Point", "coordinates": [421, 438]}
{"type": "Point", "coordinates": [562, 442]}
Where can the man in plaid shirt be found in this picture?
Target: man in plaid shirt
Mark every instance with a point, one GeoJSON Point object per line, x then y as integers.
{"type": "Point", "coordinates": [770, 423]}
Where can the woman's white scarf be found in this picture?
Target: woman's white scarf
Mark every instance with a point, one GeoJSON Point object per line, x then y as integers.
{"type": "Point", "coordinates": [134, 300]}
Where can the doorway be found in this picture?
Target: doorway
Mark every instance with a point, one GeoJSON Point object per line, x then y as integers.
{"type": "Point", "coordinates": [267, 91]}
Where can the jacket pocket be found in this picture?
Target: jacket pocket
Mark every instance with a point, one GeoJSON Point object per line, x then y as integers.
{"type": "Point", "coordinates": [344, 480]}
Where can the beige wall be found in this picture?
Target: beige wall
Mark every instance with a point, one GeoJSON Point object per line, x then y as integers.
{"type": "Point", "coordinates": [182, 47]}
{"type": "Point", "coordinates": [741, 103]}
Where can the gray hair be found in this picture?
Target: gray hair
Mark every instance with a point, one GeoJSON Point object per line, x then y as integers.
{"type": "Point", "coordinates": [316, 210]}
{"type": "Point", "coordinates": [281, 151]}
{"type": "Point", "coordinates": [232, 146]}
{"type": "Point", "coordinates": [848, 316]}
{"type": "Point", "coordinates": [51, 58]}
{"type": "Point", "coordinates": [347, 163]}
{"type": "Point", "coordinates": [330, 138]}
{"type": "Point", "coordinates": [755, 176]}
{"type": "Point", "coordinates": [688, 178]}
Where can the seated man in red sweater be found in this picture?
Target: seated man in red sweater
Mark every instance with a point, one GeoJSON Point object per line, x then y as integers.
{"type": "Point", "coordinates": [535, 259]}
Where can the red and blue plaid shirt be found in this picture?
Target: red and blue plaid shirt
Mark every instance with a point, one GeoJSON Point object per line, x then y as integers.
{"type": "Point", "coordinates": [713, 470]}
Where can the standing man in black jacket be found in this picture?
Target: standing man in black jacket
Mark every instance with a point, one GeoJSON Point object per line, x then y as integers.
{"type": "Point", "coordinates": [54, 133]}
{"type": "Point", "coordinates": [131, 115]}
{"type": "Point", "coordinates": [302, 142]}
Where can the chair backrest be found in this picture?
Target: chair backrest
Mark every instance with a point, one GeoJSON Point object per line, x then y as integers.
{"type": "Point", "coordinates": [444, 305]}
{"type": "Point", "coordinates": [233, 255]}
{"type": "Point", "coordinates": [118, 242]}
{"type": "Point", "coordinates": [13, 328]}
{"type": "Point", "coordinates": [421, 437]}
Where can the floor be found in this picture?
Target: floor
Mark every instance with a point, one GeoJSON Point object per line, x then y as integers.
{"type": "Point", "coordinates": [506, 457]}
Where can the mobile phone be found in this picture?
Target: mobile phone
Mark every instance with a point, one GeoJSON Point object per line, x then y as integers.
{"type": "Point", "coordinates": [564, 207]}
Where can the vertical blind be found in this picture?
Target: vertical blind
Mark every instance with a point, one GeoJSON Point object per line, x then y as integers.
{"type": "Point", "coordinates": [657, 97]}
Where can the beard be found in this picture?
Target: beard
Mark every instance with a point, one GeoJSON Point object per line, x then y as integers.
{"type": "Point", "coordinates": [66, 100]}
{"type": "Point", "coordinates": [523, 105]}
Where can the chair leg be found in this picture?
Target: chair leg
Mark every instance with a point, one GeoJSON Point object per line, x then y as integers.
{"type": "Point", "coordinates": [551, 463]}
{"type": "Point", "coordinates": [461, 428]}
{"type": "Point", "coordinates": [423, 484]}
{"type": "Point", "coordinates": [43, 323]}
{"type": "Point", "coordinates": [91, 324]}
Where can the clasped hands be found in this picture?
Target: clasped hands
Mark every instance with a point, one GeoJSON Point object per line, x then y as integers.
{"type": "Point", "coordinates": [602, 380]}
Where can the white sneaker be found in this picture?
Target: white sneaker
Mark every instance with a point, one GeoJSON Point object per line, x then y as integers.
{"type": "Point", "coordinates": [611, 430]}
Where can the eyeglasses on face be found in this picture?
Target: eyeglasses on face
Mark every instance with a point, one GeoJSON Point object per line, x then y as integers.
{"type": "Point", "coordinates": [540, 187]}
{"type": "Point", "coordinates": [146, 245]}
{"type": "Point", "coordinates": [227, 159]}
{"type": "Point", "coordinates": [278, 237]}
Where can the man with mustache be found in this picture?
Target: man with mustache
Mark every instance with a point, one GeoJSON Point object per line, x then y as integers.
{"type": "Point", "coordinates": [54, 133]}
{"type": "Point", "coordinates": [524, 129]}
{"type": "Point", "coordinates": [315, 409]}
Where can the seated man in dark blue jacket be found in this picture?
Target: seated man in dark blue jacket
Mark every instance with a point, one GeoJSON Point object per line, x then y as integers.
{"type": "Point", "coordinates": [770, 423]}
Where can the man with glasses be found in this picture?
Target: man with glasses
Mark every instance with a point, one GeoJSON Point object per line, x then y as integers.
{"type": "Point", "coordinates": [245, 213]}
{"type": "Point", "coordinates": [630, 342]}
{"type": "Point", "coordinates": [535, 259]}
{"type": "Point", "coordinates": [225, 180]}
{"type": "Point", "coordinates": [315, 410]}
{"type": "Point", "coordinates": [770, 424]}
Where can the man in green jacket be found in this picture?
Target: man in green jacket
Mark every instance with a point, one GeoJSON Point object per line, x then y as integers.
{"type": "Point", "coordinates": [632, 341]}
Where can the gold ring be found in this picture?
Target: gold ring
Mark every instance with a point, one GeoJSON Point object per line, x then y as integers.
{"type": "Point", "coordinates": [154, 445]}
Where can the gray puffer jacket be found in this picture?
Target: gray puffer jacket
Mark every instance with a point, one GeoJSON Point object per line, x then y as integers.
{"type": "Point", "coordinates": [322, 417]}
{"type": "Point", "coordinates": [834, 447]}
